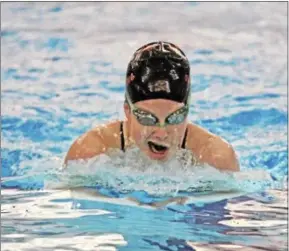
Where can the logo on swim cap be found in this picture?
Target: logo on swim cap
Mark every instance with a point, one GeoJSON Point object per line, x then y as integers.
{"type": "Point", "coordinates": [158, 70]}
{"type": "Point", "coordinates": [146, 74]}
{"type": "Point", "coordinates": [159, 85]}
{"type": "Point", "coordinates": [173, 74]}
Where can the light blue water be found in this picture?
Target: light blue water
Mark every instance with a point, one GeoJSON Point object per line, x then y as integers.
{"type": "Point", "coordinates": [62, 72]}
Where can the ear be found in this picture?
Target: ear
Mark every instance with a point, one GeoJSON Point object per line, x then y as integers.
{"type": "Point", "coordinates": [126, 110]}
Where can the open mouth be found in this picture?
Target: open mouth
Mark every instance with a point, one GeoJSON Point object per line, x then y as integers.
{"type": "Point", "coordinates": [157, 148]}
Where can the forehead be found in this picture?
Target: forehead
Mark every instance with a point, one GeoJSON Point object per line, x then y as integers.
{"type": "Point", "coordinates": [159, 106]}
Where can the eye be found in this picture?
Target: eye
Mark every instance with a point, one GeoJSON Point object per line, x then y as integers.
{"type": "Point", "coordinates": [145, 118]}
{"type": "Point", "coordinates": [178, 116]}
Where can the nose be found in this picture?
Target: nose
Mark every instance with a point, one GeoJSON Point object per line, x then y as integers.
{"type": "Point", "coordinates": [160, 133]}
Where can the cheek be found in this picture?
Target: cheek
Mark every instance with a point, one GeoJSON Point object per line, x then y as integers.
{"type": "Point", "coordinates": [177, 129]}
{"type": "Point", "coordinates": [177, 132]}
{"type": "Point", "coordinates": [138, 131]}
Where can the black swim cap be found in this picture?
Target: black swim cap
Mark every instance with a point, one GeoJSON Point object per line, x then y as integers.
{"type": "Point", "coordinates": [158, 70]}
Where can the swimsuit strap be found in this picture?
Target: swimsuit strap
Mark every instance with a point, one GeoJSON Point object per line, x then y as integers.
{"type": "Point", "coordinates": [122, 142]}
{"type": "Point", "coordinates": [185, 139]}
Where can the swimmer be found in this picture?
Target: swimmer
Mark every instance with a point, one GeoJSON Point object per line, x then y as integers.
{"type": "Point", "coordinates": [156, 106]}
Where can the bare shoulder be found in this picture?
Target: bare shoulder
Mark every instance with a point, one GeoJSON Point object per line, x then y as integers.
{"type": "Point", "coordinates": [94, 142]}
{"type": "Point", "coordinates": [211, 149]}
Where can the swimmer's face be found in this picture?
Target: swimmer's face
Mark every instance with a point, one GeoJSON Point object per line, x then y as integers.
{"type": "Point", "coordinates": [157, 126]}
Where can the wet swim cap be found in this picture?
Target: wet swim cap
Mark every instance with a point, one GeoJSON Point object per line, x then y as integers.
{"type": "Point", "coordinates": [158, 70]}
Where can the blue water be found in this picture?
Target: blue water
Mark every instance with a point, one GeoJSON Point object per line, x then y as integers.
{"type": "Point", "coordinates": [62, 72]}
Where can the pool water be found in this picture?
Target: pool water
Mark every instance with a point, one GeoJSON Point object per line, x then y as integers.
{"type": "Point", "coordinates": [62, 72]}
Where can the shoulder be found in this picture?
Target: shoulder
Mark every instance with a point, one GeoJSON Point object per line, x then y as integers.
{"type": "Point", "coordinates": [94, 142]}
{"type": "Point", "coordinates": [211, 149]}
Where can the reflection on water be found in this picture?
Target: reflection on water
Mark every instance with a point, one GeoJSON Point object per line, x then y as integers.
{"type": "Point", "coordinates": [55, 220]}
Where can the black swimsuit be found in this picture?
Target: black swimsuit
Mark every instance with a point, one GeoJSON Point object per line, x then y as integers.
{"type": "Point", "coordinates": [122, 141]}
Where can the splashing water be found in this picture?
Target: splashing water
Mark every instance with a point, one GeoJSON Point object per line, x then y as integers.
{"type": "Point", "coordinates": [118, 175]}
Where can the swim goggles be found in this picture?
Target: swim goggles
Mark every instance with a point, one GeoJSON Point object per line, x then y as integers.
{"type": "Point", "coordinates": [148, 119]}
